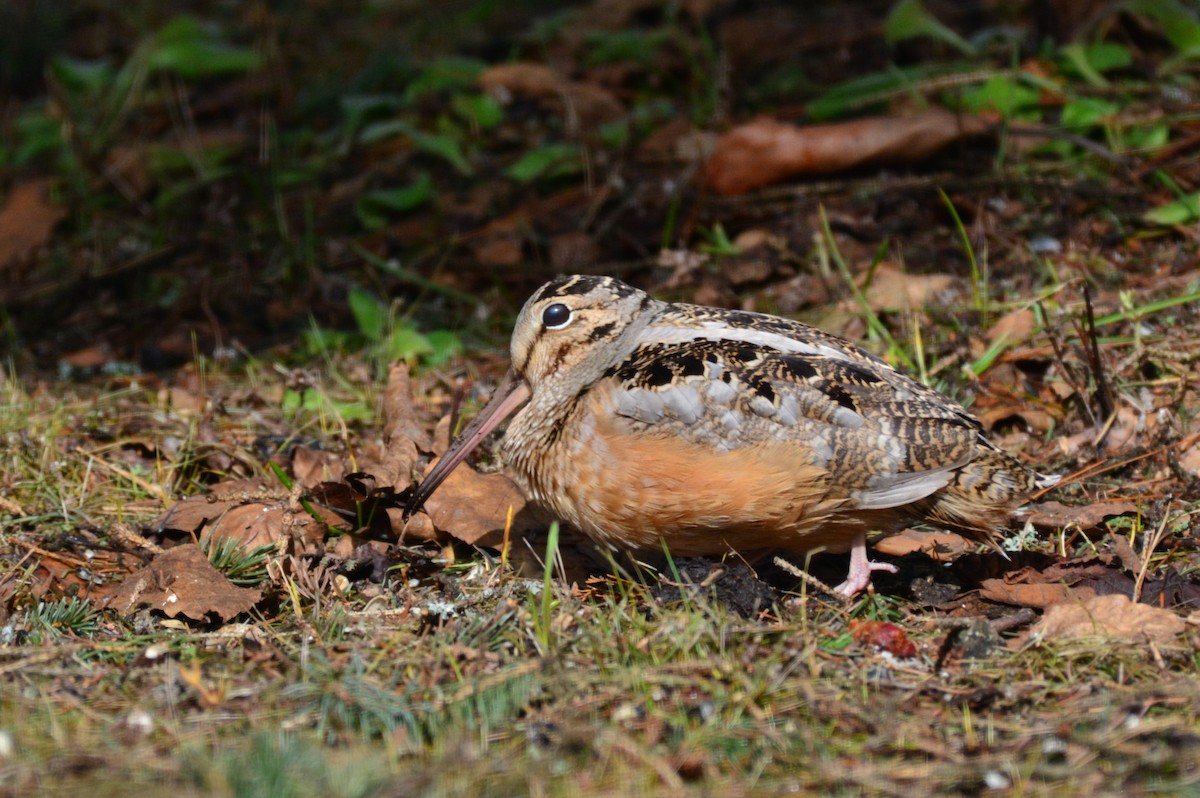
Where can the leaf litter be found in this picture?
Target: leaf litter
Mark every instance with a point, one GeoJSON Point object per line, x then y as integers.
{"type": "Point", "coordinates": [451, 640]}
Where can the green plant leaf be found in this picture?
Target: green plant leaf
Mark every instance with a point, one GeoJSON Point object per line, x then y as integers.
{"type": "Point", "coordinates": [444, 145]}
{"type": "Point", "coordinates": [863, 92]}
{"type": "Point", "coordinates": [78, 75]}
{"type": "Point", "coordinates": [370, 314]}
{"type": "Point", "coordinates": [1082, 113]}
{"type": "Point", "coordinates": [1003, 94]}
{"type": "Point", "coordinates": [317, 340]}
{"type": "Point", "coordinates": [1075, 60]}
{"type": "Point", "coordinates": [38, 134]}
{"type": "Point", "coordinates": [1179, 23]}
{"type": "Point", "coordinates": [1089, 61]}
{"type": "Point", "coordinates": [375, 207]}
{"type": "Point", "coordinates": [407, 344]}
{"type": "Point", "coordinates": [1181, 211]}
{"type": "Point", "coordinates": [552, 160]}
{"type": "Point", "coordinates": [479, 109]}
{"type": "Point", "coordinates": [443, 345]}
{"type": "Point", "coordinates": [1148, 139]}
{"type": "Point", "coordinates": [909, 19]}
{"type": "Point", "coordinates": [629, 45]}
{"type": "Point", "coordinates": [192, 50]}
{"type": "Point", "coordinates": [448, 73]}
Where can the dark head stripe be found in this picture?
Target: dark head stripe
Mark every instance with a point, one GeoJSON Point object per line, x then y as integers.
{"type": "Point", "coordinates": [579, 284]}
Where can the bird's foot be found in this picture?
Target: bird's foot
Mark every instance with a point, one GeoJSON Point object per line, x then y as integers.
{"type": "Point", "coordinates": [861, 568]}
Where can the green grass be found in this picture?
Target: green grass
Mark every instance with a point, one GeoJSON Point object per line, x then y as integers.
{"type": "Point", "coordinates": [351, 181]}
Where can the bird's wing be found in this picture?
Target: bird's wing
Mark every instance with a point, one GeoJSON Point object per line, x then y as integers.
{"type": "Point", "coordinates": [882, 438]}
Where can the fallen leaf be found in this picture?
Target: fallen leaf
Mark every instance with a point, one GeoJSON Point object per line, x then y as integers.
{"type": "Point", "coordinates": [181, 581]}
{"type": "Point", "coordinates": [251, 513]}
{"type": "Point", "coordinates": [1056, 515]}
{"type": "Point", "coordinates": [1113, 616]}
{"type": "Point", "coordinates": [1189, 461]}
{"type": "Point", "coordinates": [474, 507]}
{"type": "Point", "coordinates": [404, 435]}
{"type": "Point", "coordinates": [1129, 429]}
{"type": "Point", "coordinates": [417, 529]}
{"type": "Point", "coordinates": [883, 635]}
{"type": "Point", "coordinates": [1013, 328]}
{"type": "Point", "coordinates": [89, 358]}
{"type": "Point", "coordinates": [1043, 594]}
{"type": "Point", "coordinates": [27, 219]}
{"type": "Point", "coordinates": [503, 250]}
{"type": "Point", "coordinates": [584, 101]}
{"type": "Point", "coordinates": [676, 141]}
{"type": "Point", "coordinates": [1035, 419]}
{"type": "Point", "coordinates": [1125, 553]}
{"type": "Point", "coordinates": [891, 289]}
{"type": "Point", "coordinates": [251, 525]}
{"type": "Point", "coordinates": [313, 466]}
{"type": "Point", "coordinates": [191, 514]}
{"type": "Point", "coordinates": [939, 545]}
{"type": "Point", "coordinates": [765, 151]}
{"type": "Point", "coordinates": [1100, 575]}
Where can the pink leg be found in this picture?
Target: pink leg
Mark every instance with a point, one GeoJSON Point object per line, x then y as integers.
{"type": "Point", "coordinates": [860, 569]}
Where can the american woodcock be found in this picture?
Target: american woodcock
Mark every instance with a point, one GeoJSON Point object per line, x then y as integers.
{"type": "Point", "coordinates": [722, 430]}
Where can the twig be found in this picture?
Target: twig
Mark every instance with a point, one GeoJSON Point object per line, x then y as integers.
{"type": "Point", "coordinates": [1147, 550]}
{"type": "Point", "coordinates": [1102, 467]}
{"type": "Point", "coordinates": [1103, 389]}
{"type": "Point", "coordinates": [1069, 374]}
{"type": "Point", "coordinates": [811, 580]}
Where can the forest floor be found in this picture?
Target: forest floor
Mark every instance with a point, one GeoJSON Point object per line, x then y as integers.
{"type": "Point", "coordinates": [256, 265]}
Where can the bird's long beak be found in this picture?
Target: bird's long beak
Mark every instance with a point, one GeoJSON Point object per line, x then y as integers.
{"type": "Point", "coordinates": [511, 394]}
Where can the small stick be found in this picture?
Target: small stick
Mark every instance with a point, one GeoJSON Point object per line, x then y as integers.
{"type": "Point", "coordinates": [811, 580]}
{"type": "Point", "coordinates": [1103, 389]}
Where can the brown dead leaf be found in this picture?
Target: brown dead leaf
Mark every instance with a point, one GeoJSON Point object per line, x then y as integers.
{"type": "Point", "coordinates": [27, 219]}
{"type": "Point", "coordinates": [473, 507]}
{"type": "Point", "coordinates": [1189, 461]}
{"type": "Point", "coordinates": [891, 289]}
{"type": "Point", "coordinates": [1100, 575]}
{"type": "Point", "coordinates": [940, 545]}
{"type": "Point", "coordinates": [765, 151]}
{"type": "Point", "coordinates": [251, 513]}
{"type": "Point", "coordinates": [181, 581]}
{"type": "Point", "coordinates": [584, 101]}
{"type": "Point", "coordinates": [1112, 616]}
{"type": "Point", "coordinates": [89, 358]}
{"type": "Point", "coordinates": [676, 141]}
{"type": "Point", "coordinates": [261, 524]}
{"type": "Point", "coordinates": [192, 513]}
{"type": "Point", "coordinates": [1013, 328]}
{"type": "Point", "coordinates": [1055, 515]}
{"type": "Point", "coordinates": [251, 525]}
{"type": "Point", "coordinates": [128, 167]}
{"type": "Point", "coordinates": [499, 251]}
{"type": "Point", "coordinates": [520, 77]}
{"type": "Point", "coordinates": [1035, 418]}
{"type": "Point", "coordinates": [1127, 430]}
{"type": "Point", "coordinates": [404, 435]}
{"type": "Point", "coordinates": [1042, 594]}
{"type": "Point", "coordinates": [313, 466]}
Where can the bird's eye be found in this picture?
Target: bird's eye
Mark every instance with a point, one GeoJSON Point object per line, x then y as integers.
{"type": "Point", "coordinates": [556, 316]}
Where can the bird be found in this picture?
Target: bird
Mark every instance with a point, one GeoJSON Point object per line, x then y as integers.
{"type": "Point", "coordinates": [711, 431]}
